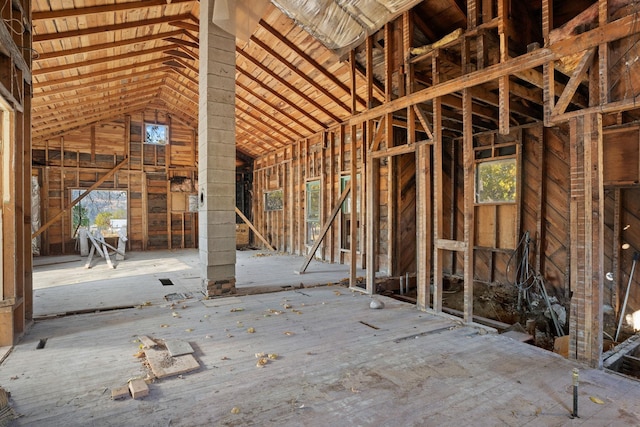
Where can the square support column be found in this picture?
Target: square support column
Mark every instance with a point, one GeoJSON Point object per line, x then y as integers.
{"type": "Point", "coordinates": [216, 156]}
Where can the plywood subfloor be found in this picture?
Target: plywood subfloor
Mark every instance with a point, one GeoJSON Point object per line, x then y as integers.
{"type": "Point", "coordinates": [69, 287]}
{"type": "Point", "coordinates": [339, 363]}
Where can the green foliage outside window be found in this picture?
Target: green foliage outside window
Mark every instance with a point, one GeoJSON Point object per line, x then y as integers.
{"type": "Point", "coordinates": [496, 181]}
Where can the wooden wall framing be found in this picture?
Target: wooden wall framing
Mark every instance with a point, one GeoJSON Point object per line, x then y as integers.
{"type": "Point", "coordinates": [159, 179]}
{"type": "Point", "coordinates": [456, 236]}
{"type": "Point", "coordinates": [16, 285]}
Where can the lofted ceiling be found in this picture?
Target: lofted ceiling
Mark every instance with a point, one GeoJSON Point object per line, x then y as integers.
{"type": "Point", "coordinates": [95, 60]}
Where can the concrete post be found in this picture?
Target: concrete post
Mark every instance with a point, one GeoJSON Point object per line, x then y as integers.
{"type": "Point", "coordinates": [216, 156]}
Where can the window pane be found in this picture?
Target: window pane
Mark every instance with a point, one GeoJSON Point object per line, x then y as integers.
{"type": "Point", "coordinates": [273, 200]}
{"type": "Point", "coordinates": [496, 181]}
{"type": "Point", "coordinates": [313, 200]}
{"type": "Point", "coordinates": [103, 211]}
{"type": "Point", "coordinates": [156, 134]}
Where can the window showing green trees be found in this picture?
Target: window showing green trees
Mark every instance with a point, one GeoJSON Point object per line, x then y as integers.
{"type": "Point", "coordinates": [102, 210]}
{"type": "Point", "coordinates": [496, 181]}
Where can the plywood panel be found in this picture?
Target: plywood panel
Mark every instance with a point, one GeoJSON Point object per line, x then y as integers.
{"type": "Point", "coordinates": [485, 225]}
{"type": "Point", "coordinates": [622, 157]}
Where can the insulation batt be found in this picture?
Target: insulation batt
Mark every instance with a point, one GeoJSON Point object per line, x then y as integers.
{"type": "Point", "coordinates": [342, 24]}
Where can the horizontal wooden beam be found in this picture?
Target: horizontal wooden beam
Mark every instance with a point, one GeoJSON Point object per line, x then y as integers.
{"type": "Point", "coordinates": [44, 94]}
{"type": "Point", "coordinates": [103, 46]}
{"type": "Point", "coordinates": [109, 8]}
{"type": "Point", "coordinates": [112, 27]}
{"type": "Point", "coordinates": [102, 73]}
{"type": "Point", "coordinates": [450, 245]}
{"type": "Point", "coordinates": [612, 31]}
{"type": "Point", "coordinates": [100, 60]}
{"type": "Point", "coordinates": [288, 85]}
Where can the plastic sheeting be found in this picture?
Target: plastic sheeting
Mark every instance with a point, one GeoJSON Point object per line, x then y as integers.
{"type": "Point", "coordinates": [342, 24]}
{"type": "Point", "coordinates": [35, 214]}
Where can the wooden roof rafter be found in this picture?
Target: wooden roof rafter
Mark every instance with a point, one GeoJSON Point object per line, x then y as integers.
{"type": "Point", "coordinates": [101, 82]}
{"type": "Point", "coordinates": [325, 73]}
{"type": "Point", "coordinates": [109, 8]}
{"type": "Point", "coordinates": [249, 131]}
{"type": "Point", "coordinates": [87, 95]}
{"type": "Point", "coordinates": [281, 97]}
{"type": "Point", "coordinates": [165, 36]}
{"type": "Point", "coordinates": [269, 117]}
{"type": "Point", "coordinates": [101, 60]}
{"type": "Point", "coordinates": [105, 113]}
{"type": "Point", "coordinates": [69, 114]}
{"type": "Point", "coordinates": [100, 73]}
{"type": "Point", "coordinates": [300, 74]}
{"type": "Point", "coordinates": [245, 88]}
{"type": "Point", "coordinates": [289, 86]}
{"type": "Point", "coordinates": [37, 38]}
{"type": "Point", "coordinates": [262, 121]}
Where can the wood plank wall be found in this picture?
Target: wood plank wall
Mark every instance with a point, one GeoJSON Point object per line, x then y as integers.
{"type": "Point", "coordinates": [158, 179]}
{"type": "Point", "coordinates": [543, 207]}
{"type": "Point", "coordinates": [325, 157]}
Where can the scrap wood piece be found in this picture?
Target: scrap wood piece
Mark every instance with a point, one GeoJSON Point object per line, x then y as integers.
{"type": "Point", "coordinates": [147, 342]}
{"type": "Point", "coordinates": [106, 256]}
{"type": "Point", "coordinates": [326, 227]}
{"type": "Point", "coordinates": [122, 246]}
{"type": "Point", "coordinates": [90, 257]}
{"type": "Point", "coordinates": [138, 388]}
{"type": "Point", "coordinates": [164, 365]}
{"type": "Point", "coordinates": [454, 35]}
{"type": "Point", "coordinates": [178, 347]}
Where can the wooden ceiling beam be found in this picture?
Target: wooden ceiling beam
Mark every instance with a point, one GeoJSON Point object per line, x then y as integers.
{"type": "Point", "coordinates": [185, 25]}
{"type": "Point", "coordinates": [182, 100]}
{"type": "Point", "coordinates": [309, 60]}
{"type": "Point", "coordinates": [97, 61]}
{"type": "Point", "coordinates": [615, 30]}
{"type": "Point", "coordinates": [103, 46]}
{"type": "Point", "coordinates": [534, 77]}
{"type": "Point", "coordinates": [44, 91]}
{"type": "Point", "coordinates": [280, 96]}
{"type": "Point", "coordinates": [70, 101]}
{"type": "Point", "coordinates": [288, 85]}
{"type": "Point", "coordinates": [70, 122]}
{"type": "Point", "coordinates": [271, 105]}
{"type": "Point", "coordinates": [295, 70]}
{"type": "Point", "coordinates": [250, 131]}
{"type": "Point", "coordinates": [257, 120]}
{"type": "Point", "coordinates": [181, 42]}
{"type": "Point", "coordinates": [109, 28]}
{"type": "Point", "coordinates": [106, 72]}
{"type": "Point", "coordinates": [105, 113]}
{"type": "Point", "coordinates": [66, 13]}
{"type": "Point", "coordinates": [79, 109]}
{"type": "Point", "coordinates": [172, 78]}
{"type": "Point", "coordinates": [188, 65]}
{"type": "Point", "coordinates": [269, 116]}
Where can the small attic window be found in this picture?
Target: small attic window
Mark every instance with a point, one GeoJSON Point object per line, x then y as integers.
{"type": "Point", "coordinates": [156, 134]}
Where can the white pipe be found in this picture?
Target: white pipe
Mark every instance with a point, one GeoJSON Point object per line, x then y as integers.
{"type": "Point", "coordinates": [401, 285]}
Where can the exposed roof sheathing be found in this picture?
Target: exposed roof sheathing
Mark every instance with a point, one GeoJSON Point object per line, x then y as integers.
{"type": "Point", "coordinates": [100, 59]}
